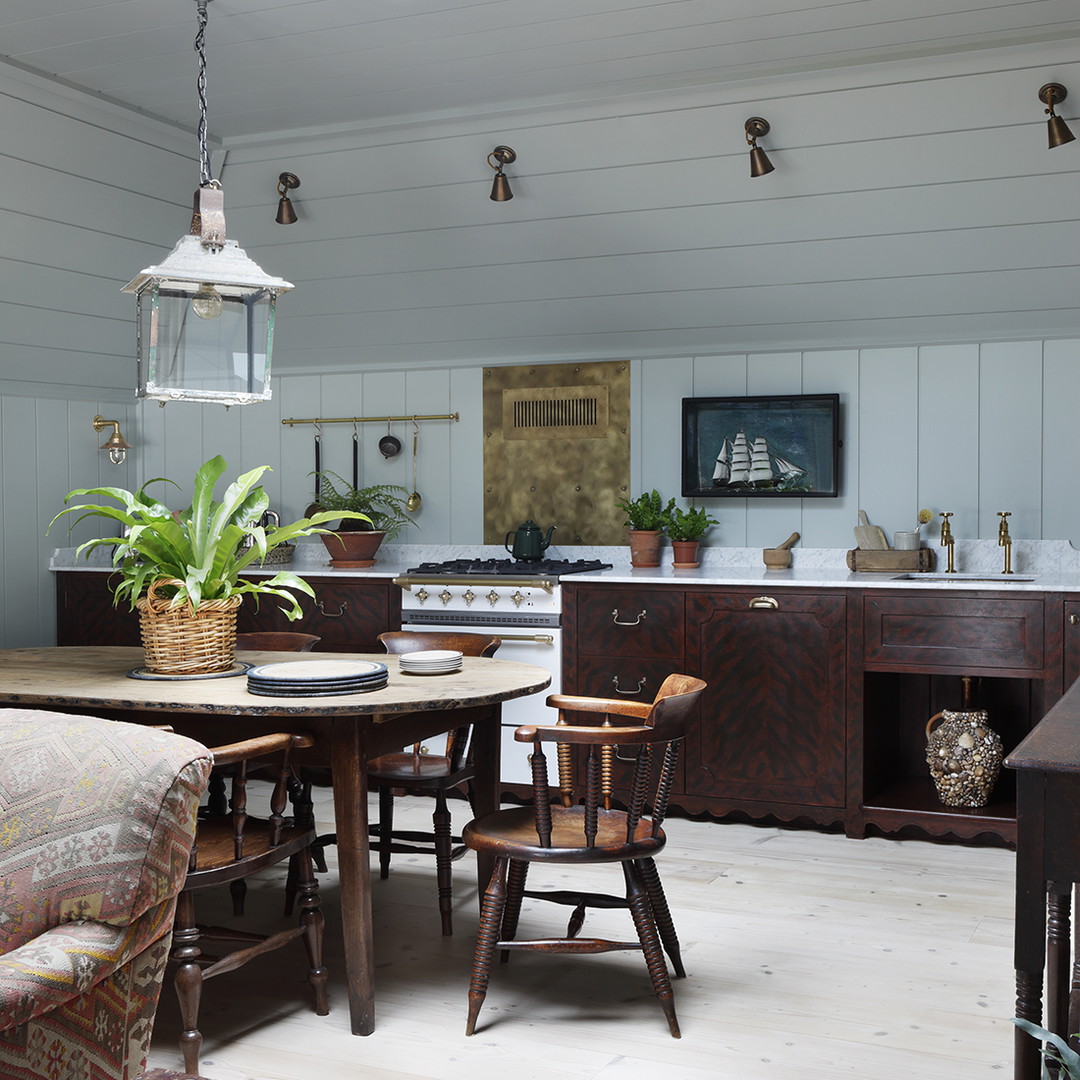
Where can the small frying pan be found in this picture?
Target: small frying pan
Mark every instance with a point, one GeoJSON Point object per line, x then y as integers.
{"type": "Point", "coordinates": [389, 445]}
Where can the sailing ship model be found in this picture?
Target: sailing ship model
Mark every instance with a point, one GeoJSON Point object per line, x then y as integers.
{"type": "Point", "coordinates": [744, 464]}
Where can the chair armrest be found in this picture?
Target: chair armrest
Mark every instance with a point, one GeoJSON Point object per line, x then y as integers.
{"type": "Point", "coordinates": [566, 733]}
{"type": "Point", "coordinates": [569, 703]}
{"type": "Point", "coordinates": [260, 746]}
{"type": "Point", "coordinates": [61, 963]}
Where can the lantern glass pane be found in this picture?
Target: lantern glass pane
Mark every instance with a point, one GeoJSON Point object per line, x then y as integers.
{"type": "Point", "coordinates": [225, 358]}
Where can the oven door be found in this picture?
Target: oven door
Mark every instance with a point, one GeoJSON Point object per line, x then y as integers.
{"type": "Point", "coordinates": [542, 648]}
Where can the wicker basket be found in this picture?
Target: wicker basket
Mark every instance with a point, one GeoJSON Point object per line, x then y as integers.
{"type": "Point", "coordinates": [178, 641]}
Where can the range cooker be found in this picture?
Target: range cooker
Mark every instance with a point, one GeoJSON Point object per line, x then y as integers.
{"type": "Point", "coordinates": [518, 601]}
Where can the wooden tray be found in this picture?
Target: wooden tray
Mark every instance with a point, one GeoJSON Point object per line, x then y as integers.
{"type": "Point", "coordinates": [899, 562]}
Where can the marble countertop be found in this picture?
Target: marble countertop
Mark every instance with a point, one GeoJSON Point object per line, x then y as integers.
{"type": "Point", "coordinates": [1038, 565]}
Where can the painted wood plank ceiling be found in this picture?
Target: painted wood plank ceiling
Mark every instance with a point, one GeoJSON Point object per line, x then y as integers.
{"type": "Point", "coordinates": [287, 64]}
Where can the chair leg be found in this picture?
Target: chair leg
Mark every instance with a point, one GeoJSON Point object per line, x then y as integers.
{"type": "Point", "coordinates": [311, 918]}
{"type": "Point", "coordinates": [188, 980]}
{"type": "Point", "coordinates": [487, 937]}
{"type": "Point", "coordinates": [440, 821]}
{"type": "Point", "coordinates": [238, 889]}
{"type": "Point", "coordinates": [515, 891]}
{"type": "Point", "coordinates": [386, 829]}
{"type": "Point", "coordinates": [662, 914]}
{"type": "Point", "coordinates": [641, 910]}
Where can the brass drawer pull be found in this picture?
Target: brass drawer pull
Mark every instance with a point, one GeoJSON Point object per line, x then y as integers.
{"type": "Point", "coordinates": [1074, 619]}
{"type": "Point", "coordinates": [764, 602]}
{"type": "Point", "coordinates": [615, 618]}
{"type": "Point", "coordinates": [342, 607]}
{"type": "Point", "coordinates": [620, 690]}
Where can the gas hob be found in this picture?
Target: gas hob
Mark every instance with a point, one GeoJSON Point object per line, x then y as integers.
{"type": "Point", "coordinates": [549, 568]}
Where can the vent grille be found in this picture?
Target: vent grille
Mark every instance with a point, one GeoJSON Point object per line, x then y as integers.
{"type": "Point", "coordinates": [555, 412]}
{"type": "Point", "coordinates": [560, 412]}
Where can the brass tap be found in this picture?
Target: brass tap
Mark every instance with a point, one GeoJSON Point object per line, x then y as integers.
{"type": "Point", "coordinates": [1005, 540]}
{"type": "Point", "coordinates": [947, 540]}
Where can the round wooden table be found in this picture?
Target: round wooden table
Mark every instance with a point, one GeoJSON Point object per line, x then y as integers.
{"type": "Point", "coordinates": [348, 730]}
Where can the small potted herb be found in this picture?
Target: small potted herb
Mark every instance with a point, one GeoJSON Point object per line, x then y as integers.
{"type": "Point", "coordinates": [686, 528]}
{"type": "Point", "coordinates": [646, 518]}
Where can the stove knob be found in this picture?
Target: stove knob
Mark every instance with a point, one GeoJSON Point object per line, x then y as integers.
{"type": "Point", "coordinates": [468, 596]}
{"type": "Point", "coordinates": [493, 598]}
{"type": "Point", "coordinates": [446, 596]}
{"type": "Point", "coordinates": [518, 598]}
{"type": "Point", "coordinates": [422, 594]}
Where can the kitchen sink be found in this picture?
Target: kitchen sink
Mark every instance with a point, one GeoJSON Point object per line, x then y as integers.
{"type": "Point", "coordinates": [996, 579]}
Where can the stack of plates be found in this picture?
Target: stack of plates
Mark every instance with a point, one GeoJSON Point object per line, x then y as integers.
{"type": "Point", "coordinates": [316, 678]}
{"type": "Point", "coordinates": [430, 662]}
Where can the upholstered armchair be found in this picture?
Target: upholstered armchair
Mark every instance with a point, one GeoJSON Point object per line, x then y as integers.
{"type": "Point", "coordinates": [96, 824]}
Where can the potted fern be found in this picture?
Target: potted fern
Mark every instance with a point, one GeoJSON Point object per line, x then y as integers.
{"type": "Point", "coordinates": [686, 528]}
{"type": "Point", "coordinates": [369, 516]}
{"type": "Point", "coordinates": [646, 518]}
{"type": "Point", "coordinates": [182, 569]}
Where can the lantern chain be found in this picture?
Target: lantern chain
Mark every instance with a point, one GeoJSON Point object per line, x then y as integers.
{"type": "Point", "coordinates": [205, 177]}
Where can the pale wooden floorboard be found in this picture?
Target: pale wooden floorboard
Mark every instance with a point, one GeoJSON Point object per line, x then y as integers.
{"type": "Point", "coordinates": [809, 957]}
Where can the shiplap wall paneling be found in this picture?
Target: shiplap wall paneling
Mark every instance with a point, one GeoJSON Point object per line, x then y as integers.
{"type": "Point", "coordinates": [1010, 442]}
{"type": "Point", "coordinates": [771, 521]}
{"type": "Point", "coordinates": [829, 522]}
{"type": "Point", "coordinates": [664, 383]}
{"type": "Point", "coordinates": [947, 461]}
{"type": "Point", "coordinates": [427, 393]}
{"type": "Point", "coordinates": [1061, 441]}
{"type": "Point", "coordinates": [298, 397]}
{"type": "Point", "coordinates": [465, 458]}
{"type": "Point", "coordinates": [889, 437]}
{"type": "Point", "coordinates": [723, 376]}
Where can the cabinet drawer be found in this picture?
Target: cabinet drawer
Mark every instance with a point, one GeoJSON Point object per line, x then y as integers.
{"type": "Point", "coordinates": [348, 616]}
{"type": "Point", "coordinates": [953, 633]}
{"type": "Point", "coordinates": [629, 677]}
{"type": "Point", "coordinates": [630, 622]}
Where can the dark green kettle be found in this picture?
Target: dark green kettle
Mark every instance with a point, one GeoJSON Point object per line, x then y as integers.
{"type": "Point", "coordinates": [530, 543]}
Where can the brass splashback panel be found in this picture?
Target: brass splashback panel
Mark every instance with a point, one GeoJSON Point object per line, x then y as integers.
{"type": "Point", "coordinates": [557, 450]}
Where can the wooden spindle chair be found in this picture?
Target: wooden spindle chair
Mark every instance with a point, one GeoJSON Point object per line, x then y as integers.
{"type": "Point", "coordinates": [235, 845]}
{"type": "Point", "coordinates": [416, 772]}
{"type": "Point", "coordinates": [593, 831]}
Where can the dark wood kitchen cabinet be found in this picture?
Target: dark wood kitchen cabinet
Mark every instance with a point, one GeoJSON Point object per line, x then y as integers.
{"type": "Point", "coordinates": [347, 613]}
{"type": "Point", "coordinates": [770, 737]}
{"type": "Point", "coordinates": [819, 698]}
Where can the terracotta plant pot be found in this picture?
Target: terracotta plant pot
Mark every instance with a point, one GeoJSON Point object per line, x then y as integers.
{"type": "Point", "coordinates": [352, 549]}
{"type": "Point", "coordinates": [644, 546]}
{"type": "Point", "coordinates": [686, 554]}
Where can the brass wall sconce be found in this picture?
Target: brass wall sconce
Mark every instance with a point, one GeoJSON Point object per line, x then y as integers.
{"type": "Point", "coordinates": [1057, 131]}
{"type": "Point", "coordinates": [500, 188]}
{"type": "Point", "coordinates": [287, 182]}
{"type": "Point", "coordinates": [757, 128]}
{"type": "Point", "coordinates": [116, 444]}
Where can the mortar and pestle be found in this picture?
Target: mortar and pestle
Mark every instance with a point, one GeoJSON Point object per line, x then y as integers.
{"type": "Point", "coordinates": [779, 558]}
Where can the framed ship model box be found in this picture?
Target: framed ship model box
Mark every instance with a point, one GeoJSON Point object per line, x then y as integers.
{"type": "Point", "coordinates": [761, 447]}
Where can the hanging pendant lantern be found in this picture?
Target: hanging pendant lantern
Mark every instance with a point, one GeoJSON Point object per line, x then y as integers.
{"type": "Point", "coordinates": [205, 313]}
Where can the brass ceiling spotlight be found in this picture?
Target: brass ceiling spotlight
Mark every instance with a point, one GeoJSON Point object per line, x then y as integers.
{"type": "Point", "coordinates": [115, 443]}
{"type": "Point", "coordinates": [500, 188]}
{"type": "Point", "coordinates": [286, 215]}
{"type": "Point", "coordinates": [757, 128]}
{"type": "Point", "coordinates": [1058, 133]}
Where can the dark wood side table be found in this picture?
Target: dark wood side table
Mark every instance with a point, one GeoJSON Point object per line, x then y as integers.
{"type": "Point", "coordinates": [1047, 764]}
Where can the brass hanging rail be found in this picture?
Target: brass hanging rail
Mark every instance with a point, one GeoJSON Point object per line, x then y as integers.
{"type": "Point", "coordinates": [456, 417]}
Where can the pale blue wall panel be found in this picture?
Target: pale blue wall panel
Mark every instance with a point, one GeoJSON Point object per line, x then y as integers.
{"type": "Point", "coordinates": [1011, 441]}
{"type": "Point", "coordinates": [1061, 440]}
{"type": "Point", "coordinates": [888, 437]}
{"type": "Point", "coordinates": [947, 459]}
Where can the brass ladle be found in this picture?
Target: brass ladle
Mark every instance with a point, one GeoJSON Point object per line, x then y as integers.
{"type": "Point", "coordinates": [414, 501]}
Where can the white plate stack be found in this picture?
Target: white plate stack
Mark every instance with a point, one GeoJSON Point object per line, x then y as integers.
{"type": "Point", "coordinates": [430, 662]}
{"type": "Point", "coordinates": [316, 678]}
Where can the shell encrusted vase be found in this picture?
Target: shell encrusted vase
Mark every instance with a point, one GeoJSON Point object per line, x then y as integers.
{"type": "Point", "coordinates": [964, 754]}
